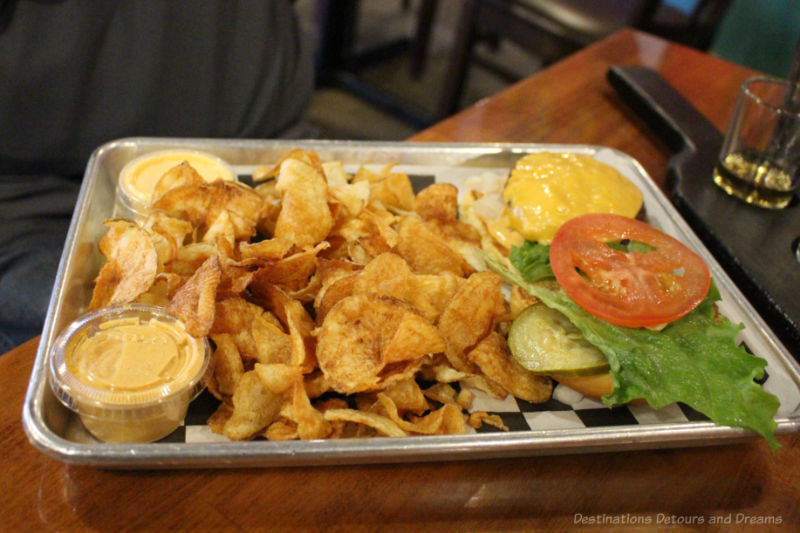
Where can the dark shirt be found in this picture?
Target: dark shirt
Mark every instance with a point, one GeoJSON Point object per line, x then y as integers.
{"type": "Point", "coordinates": [75, 74]}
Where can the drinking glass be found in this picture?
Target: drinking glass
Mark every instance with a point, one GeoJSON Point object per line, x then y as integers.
{"type": "Point", "coordinates": [760, 157]}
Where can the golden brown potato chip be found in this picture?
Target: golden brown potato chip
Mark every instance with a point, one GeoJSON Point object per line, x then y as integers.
{"type": "Point", "coordinates": [352, 196]}
{"type": "Point", "coordinates": [441, 392]}
{"type": "Point", "coordinates": [437, 201]}
{"type": "Point", "coordinates": [464, 398]}
{"type": "Point", "coordinates": [191, 256]}
{"type": "Point", "coordinates": [311, 424]}
{"type": "Point", "coordinates": [338, 248]}
{"type": "Point", "coordinates": [383, 425]}
{"type": "Point", "coordinates": [389, 275]}
{"type": "Point", "coordinates": [462, 238]}
{"type": "Point", "coordinates": [484, 384]}
{"type": "Point", "coordinates": [441, 372]}
{"type": "Point", "coordinates": [430, 294]}
{"type": "Point", "coordinates": [291, 273]}
{"type": "Point", "coordinates": [412, 335]}
{"type": "Point", "coordinates": [518, 301]}
{"type": "Point", "coordinates": [168, 234]}
{"type": "Point", "coordinates": [257, 333]}
{"type": "Point", "coordinates": [310, 157]}
{"type": "Point", "coordinates": [388, 409]}
{"type": "Point", "coordinates": [265, 342]}
{"type": "Point", "coordinates": [272, 200]}
{"type": "Point", "coordinates": [372, 245]}
{"type": "Point", "coordinates": [381, 225]}
{"type": "Point", "coordinates": [279, 378]}
{"type": "Point", "coordinates": [407, 396]}
{"type": "Point", "coordinates": [282, 429]}
{"type": "Point", "coordinates": [222, 233]}
{"type": "Point", "coordinates": [216, 422]}
{"type": "Point", "coordinates": [228, 366]}
{"type": "Point", "coordinates": [479, 418]}
{"type": "Point", "coordinates": [330, 295]}
{"type": "Point", "coordinates": [235, 279]}
{"type": "Point", "coordinates": [131, 264]}
{"type": "Point", "coordinates": [335, 174]}
{"type": "Point", "coordinates": [471, 315]}
{"type": "Point", "coordinates": [386, 275]}
{"type": "Point", "coordinates": [425, 251]}
{"type": "Point", "coordinates": [305, 218]}
{"type": "Point", "coordinates": [162, 290]}
{"type": "Point", "coordinates": [255, 406]}
{"type": "Point", "coordinates": [354, 337]}
{"type": "Point", "coordinates": [358, 254]}
{"type": "Point", "coordinates": [235, 314]}
{"type": "Point", "coordinates": [286, 380]}
{"type": "Point", "coordinates": [296, 320]}
{"type": "Point", "coordinates": [369, 234]}
{"type": "Point", "coordinates": [330, 270]}
{"type": "Point", "coordinates": [339, 428]}
{"type": "Point", "coordinates": [316, 384]}
{"type": "Point", "coordinates": [269, 250]}
{"type": "Point", "coordinates": [392, 189]}
{"type": "Point", "coordinates": [181, 174]}
{"type": "Point", "coordinates": [202, 204]}
{"type": "Point", "coordinates": [449, 419]}
{"type": "Point", "coordinates": [165, 246]}
{"type": "Point", "coordinates": [492, 356]}
{"type": "Point", "coordinates": [195, 301]}
{"type": "Point", "coordinates": [173, 228]}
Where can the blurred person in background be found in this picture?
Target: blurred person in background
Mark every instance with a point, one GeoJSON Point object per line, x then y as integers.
{"type": "Point", "coordinates": [75, 74]}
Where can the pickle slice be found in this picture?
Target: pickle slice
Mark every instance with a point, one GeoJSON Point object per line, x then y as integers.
{"type": "Point", "coordinates": [544, 341]}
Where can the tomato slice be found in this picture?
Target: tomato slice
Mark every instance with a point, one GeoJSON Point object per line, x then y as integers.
{"type": "Point", "coordinates": [660, 282]}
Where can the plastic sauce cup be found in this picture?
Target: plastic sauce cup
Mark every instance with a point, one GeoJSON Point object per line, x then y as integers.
{"type": "Point", "coordinates": [138, 178]}
{"type": "Point", "coordinates": [128, 371]}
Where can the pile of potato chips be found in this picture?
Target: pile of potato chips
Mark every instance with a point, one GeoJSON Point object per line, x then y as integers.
{"type": "Point", "coordinates": [338, 305]}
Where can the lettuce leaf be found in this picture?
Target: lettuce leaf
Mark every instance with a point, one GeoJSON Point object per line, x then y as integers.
{"type": "Point", "coordinates": [694, 360]}
{"type": "Point", "coordinates": [532, 260]}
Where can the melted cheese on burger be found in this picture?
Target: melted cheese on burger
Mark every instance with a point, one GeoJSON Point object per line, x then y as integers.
{"type": "Point", "coordinates": [546, 189]}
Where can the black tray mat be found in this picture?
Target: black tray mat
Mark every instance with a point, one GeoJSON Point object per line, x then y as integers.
{"type": "Point", "coordinates": [756, 246]}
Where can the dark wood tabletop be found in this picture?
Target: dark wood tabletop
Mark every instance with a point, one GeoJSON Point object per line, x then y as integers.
{"type": "Point", "coordinates": [741, 484]}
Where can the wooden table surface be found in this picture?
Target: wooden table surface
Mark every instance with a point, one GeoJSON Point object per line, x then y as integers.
{"type": "Point", "coordinates": [569, 102]}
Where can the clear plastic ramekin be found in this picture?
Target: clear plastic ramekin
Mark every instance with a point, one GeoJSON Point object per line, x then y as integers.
{"type": "Point", "coordinates": [138, 177]}
{"type": "Point", "coordinates": [128, 371]}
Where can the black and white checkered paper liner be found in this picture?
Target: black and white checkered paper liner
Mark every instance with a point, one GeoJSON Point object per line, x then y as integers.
{"type": "Point", "coordinates": [566, 409]}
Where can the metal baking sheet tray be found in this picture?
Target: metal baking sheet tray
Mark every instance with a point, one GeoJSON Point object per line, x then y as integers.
{"type": "Point", "coordinates": [564, 425]}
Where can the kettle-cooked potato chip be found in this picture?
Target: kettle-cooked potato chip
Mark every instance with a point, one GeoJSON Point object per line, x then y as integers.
{"type": "Point", "coordinates": [296, 320]}
{"type": "Point", "coordinates": [426, 252]}
{"type": "Point", "coordinates": [391, 189]}
{"type": "Point", "coordinates": [201, 204]}
{"type": "Point", "coordinates": [437, 201]}
{"type": "Point", "coordinates": [493, 358]}
{"type": "Point", "coordinates": [181, 174]}
{"type": "Point", "coordinates": [470, 315]}
{"type": "Point", "coordinates": [195, 302]}
{"type": "Point", "coordinates": [131, 264]}
{"type": "Point", "coordinates": [257, 333]}
{"type": "Point", "coordinates": [383, 425]}
{"type": "Point", "coordinates": [255, 406]}
{"type": "Point", "coordinates": [360, 332]}
{"type": "Point", "coordinates": [228, 366]}
{"type": "Point", "coordinates": [305, 218]}
{"type": "Point", "coordinates": [292, 272]}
